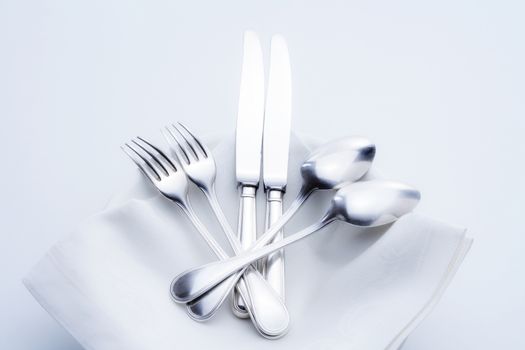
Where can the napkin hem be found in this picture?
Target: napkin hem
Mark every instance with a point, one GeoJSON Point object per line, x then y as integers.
{"type": "Point", "coordinates": [62, 279]}
{"type": "Point", "coordinates": [453, 266]}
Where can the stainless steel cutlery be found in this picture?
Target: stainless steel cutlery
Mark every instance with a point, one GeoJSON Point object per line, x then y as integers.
{"type": "Point", "coordinates": [256, 272]}
{"type": "Point", "coordinates": [331, 166]}
{"type": "Point", "coordinates": [263, 303]}
{"type": "Point", "coordinates": [272, 139]}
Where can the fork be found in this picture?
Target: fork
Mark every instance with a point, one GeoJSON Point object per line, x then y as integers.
{"type": "Point", "coordinates": [168, 176]}
{"type": "Point", "coordinates": [198, 163]}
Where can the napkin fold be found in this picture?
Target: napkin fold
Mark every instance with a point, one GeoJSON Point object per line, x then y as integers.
{"type": "Point", "coordinates": [347, 287]}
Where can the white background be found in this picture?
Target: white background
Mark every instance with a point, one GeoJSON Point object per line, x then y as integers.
{"type": "Point", "coordinates": [439, 86]}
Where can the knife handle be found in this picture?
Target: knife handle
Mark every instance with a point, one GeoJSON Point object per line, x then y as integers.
{"type": "Point", "coordinates": [273, 264]}
{"type": "Point", "coordinates": [247, 231]}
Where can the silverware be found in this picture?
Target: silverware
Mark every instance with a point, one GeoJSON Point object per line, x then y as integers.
{"type": "Point", "coordinates": [168, 177]}
{"type": "Point", "coordinates": [365, 204]}
{"type": "Point", "coordinates": [263, 303]}
{"type": "Point", "coordinates": [330, 166]}
{"type": "Point", "coordinates": [276, 143]}
{"type": "Point", "coordinates": [248, 145]}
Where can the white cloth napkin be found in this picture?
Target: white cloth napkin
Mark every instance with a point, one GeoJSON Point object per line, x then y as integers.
{"type": "Point", "coordinates": [347, 288]}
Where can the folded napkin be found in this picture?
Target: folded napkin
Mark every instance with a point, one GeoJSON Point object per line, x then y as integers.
{"type": "Point", "coordinates": [347, 287]}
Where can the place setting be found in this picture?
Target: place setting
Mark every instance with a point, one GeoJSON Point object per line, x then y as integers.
{"type": "Point", "coordinates": [265, 238]}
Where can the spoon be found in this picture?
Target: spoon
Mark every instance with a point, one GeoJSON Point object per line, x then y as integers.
{"type": "Point", "coordinates": [366, 204]}
{"type": "Point", "coordinates": [330, 166]}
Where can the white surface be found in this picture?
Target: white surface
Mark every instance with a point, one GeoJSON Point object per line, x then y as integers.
{"type": "Point", "coordinates": [437, 85]}
{"type": "Point", "coordinates": [366, 289]}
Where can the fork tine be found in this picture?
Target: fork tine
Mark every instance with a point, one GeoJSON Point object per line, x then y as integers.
{"type": "Point", "coordinates": [141, 163]}
{"type": "Point", "coordinates": [168, 164]}
{"type": "Point", "coordinates": [192, 145]}
{"type": "Point", "coordinates": [200, 145]}
{"type": "Point", "coordinates": [175, 145]}
{"type": "Point", "coordinates": [149, 157]}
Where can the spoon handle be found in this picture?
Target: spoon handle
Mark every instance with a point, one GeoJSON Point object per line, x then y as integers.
{"type": "Point", "coordinates": [271, 321]}
{"type": "Point", "coordinates": [197, 281]}
{"type": "Point", "coordinates": [212, 303]}
{"type": "Point", "coordinates": [277, 226]}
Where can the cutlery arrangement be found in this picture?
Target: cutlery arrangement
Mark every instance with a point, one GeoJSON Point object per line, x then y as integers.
{"type": "Point", "coordinates": [170, 177]}
{"type": "Point", "coordinates": [255, 275]}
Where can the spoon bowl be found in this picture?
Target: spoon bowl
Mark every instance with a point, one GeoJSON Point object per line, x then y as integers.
{"type": "Point", "coordinates": [337, 163]}
{"type": "Point", "coordinates": [373, 203]}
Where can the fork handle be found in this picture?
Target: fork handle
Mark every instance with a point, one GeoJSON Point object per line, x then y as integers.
{"type": "Point", "coordinates": [247, 231]}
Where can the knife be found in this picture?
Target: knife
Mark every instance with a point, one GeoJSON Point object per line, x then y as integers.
{"type": "Point", "coordinates": [248, 144]}
{"type": "Point", "coordinates": [276, 142]}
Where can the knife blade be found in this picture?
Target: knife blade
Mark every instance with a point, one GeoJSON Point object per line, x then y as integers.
{"type": "Point", "coordinates": [278, 117]}
{"type": "Point", "coordinates": [250, 116]}
{"type": "Point", "coordinates": [276, 142]}
{"type": "Point", "coordinates": [248, 145]}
